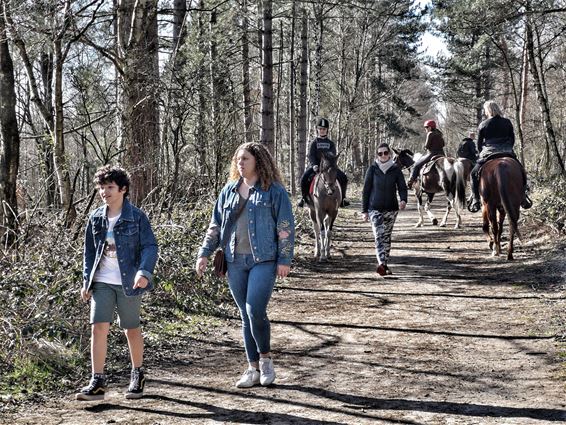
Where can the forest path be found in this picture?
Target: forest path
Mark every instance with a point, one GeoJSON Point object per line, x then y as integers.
{"type": "Point", "coordinates": [453, 337]}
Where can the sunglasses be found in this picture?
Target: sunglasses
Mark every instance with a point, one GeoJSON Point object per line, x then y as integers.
{"type": "Point", "coordinates": [383, 153]}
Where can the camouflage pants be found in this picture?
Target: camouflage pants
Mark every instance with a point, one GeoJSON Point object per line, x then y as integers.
{"type": "Point", "coordinates": [382, 226]}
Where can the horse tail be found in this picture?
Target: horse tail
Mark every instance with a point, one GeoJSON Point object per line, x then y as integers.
{"type": "Point", "coordinates": [512, 214]}
{"type": "Point", "coordinates": [460, 171]}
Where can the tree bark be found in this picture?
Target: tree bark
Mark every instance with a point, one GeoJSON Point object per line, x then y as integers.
{"type": "Point", "coordinates": [9, 141]}
{"type": "Point", "coordinates": [267, 123]}
{"type": "Point", "coordinates": [138, 52]}
{"type": "Point", "coordinates": [248, 115]}
{"type": "Point", "coordinates": [302, 119]}
{"type": "Point", "coordinates": [292, 156]}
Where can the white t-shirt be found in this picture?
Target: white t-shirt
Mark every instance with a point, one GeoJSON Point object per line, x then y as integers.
{"type": "Point", "coordinates": [108, 270]}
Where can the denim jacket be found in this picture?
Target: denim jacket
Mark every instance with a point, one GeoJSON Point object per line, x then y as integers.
{"type": "Point", "coordinates": [136, 247]}
{"type": "Point", "coordinates": [269, 214]}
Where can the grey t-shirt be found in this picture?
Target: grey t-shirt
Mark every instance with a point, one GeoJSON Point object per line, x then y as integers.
{"type": "Point", "coordinates": [242, 231]}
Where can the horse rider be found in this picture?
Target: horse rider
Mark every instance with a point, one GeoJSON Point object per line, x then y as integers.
{"type": "Point", "coordinates": [434, 145]}
{"type": "Point", "coordinates": [321, 144]}
{"type": "Point", "coordinates": [467, 148]}
{"type": "Point", "coordinates": [495, 135]}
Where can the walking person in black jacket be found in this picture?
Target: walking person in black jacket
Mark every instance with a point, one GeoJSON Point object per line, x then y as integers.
{"type": "Point", "coordinates": [383, 181]}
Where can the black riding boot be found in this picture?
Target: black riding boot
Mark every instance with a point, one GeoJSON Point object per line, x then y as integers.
{"type": "Point", "coordinates": [475, 205]}
{"type": "Point", "coordinates": [344, 187]}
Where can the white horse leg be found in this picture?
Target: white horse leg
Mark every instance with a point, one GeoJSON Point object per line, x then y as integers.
{"type": "Point", "coordinates": [431, 216]}
{"type": "Point", "coordinates": [316, 228]}
{"type": "Point", "coordinates": [448, 208]}
{"type": "Point", "coordinates": [458, 216]}
{"type": "Point", "coordinates": [327, 234]}
{"type": "Point", "coordinates": [419, 209]}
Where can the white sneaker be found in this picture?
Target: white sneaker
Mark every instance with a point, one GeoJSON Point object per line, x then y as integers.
{"type": "Point", "coordinates": [266, 370]}
{"type": "Point", "coordinates": [249, 378]}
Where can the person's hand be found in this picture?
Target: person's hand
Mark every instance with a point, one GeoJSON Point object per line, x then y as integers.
{"type": "Point", "coordinates": [283, 270]}
{"type": "Point", "coordinates": [200, 266]}
{"type": "Point", "coordinates": [365, 216]}
{"type": "Point", "coordinates": [141, 282]}
{"type": "Point", "coordinates": [315, 168]}
{"type": "Point", "coordinates": [402, 205]}
{"type": "Point", "coordinates": [85, 295]}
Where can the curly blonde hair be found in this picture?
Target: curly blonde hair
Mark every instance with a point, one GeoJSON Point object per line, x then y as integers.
{"type": "Point", "coordinates": [266, 169]}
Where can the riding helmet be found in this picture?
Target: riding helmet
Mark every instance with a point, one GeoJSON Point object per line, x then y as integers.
{"type": "Point", "coordinates": [322, 123]}
{"type": "Point", "coordinates": [430, 123]}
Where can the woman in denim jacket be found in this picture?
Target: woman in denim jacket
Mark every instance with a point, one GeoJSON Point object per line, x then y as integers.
{"type": "Point", "coordinates": [258, 246]}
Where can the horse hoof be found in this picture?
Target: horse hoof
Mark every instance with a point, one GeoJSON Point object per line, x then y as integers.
{"type": "Point", "coordinates": [435, 222]}
{"type": "Point", "coordinates": [442, 225]}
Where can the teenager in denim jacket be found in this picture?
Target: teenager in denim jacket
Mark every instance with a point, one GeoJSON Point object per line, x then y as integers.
{"type": "Point", "coordinates": [258, 247]}
{"type": "Point", "coordinates": [120, 252]}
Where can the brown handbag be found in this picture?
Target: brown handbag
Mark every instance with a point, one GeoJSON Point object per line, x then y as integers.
{"type": "Point", "coordinates": [220, 263]}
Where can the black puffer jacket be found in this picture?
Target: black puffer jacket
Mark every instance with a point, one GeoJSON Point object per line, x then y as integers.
{"type": "Point", "coordinates": [380, 190]}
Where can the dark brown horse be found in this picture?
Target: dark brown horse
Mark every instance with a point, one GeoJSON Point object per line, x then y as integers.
{"type": "Point", "coordinates": [324, 203]}
{"type": "Point", "coordinates": [502, 189]}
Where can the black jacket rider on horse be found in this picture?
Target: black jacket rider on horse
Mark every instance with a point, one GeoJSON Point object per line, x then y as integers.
{"type": "Point", "coordinates": [495, 135]}
{"type": "Point", "coordinates": [321, 144]}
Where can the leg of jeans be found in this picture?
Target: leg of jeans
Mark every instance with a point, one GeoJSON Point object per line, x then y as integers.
{"type": "Point", "coordinates": [417, 166]}
{"type": "Point", "coordinates": [475, 180]}
{"type": "Point", "coordinates": [378, 230]}
{"type": "Point", "coordinates": [388, 223]}
{"type": "Point", "coordinates": [238, 274]}
{"type": "Point", "coordinates": [261, 281]}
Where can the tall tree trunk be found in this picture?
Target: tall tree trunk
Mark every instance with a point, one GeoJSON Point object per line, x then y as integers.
{"type": "Point", "coordinates": [303, 84]}
{"type": "Point", "coordinates": [318, 10]}
{"type": "Point", "coordinates": [61, 164]}
{"type": "Point", "coordinates": [215, 90]}
{"type": "Point", "coordinates": [267, 78]}
{"type": "Point", "coordinates": [248, 115]}
{"type": "Point", "coordinates": [179, 12]}
{"type": "Point", "coordinates": [292, 157]}
{"type": "Point", "coordinates": [278, 143]}
{"type": "Point", "coordinates": [138, 51]}
{"type": "Point", "coordinates": [542, 99]}
{"type": "Point", "coordinates": [523, 102]}
{"type": "Point", "coordinates": [9, 140]}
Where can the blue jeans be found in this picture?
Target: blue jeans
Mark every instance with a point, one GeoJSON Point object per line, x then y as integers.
{"type": "Point", "coordinates": [251, 285]}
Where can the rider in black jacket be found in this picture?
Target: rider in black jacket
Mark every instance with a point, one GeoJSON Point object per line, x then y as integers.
{"type": "Point", "coordinates": [495, 135]}
{"type": "Point", "coordinates": [319, 145]}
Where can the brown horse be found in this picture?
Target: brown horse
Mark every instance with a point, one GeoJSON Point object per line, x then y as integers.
{"type": "Point", "coordinates": [502, 189]}
{"type": "Point", "coordinates": [324, 203]}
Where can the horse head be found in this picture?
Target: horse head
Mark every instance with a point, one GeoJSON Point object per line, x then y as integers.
{"type": "Point", "coordinates": [403, 158]}
{"type": "Point", "coordinates": [328, 169]}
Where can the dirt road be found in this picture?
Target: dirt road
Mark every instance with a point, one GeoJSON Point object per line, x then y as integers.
{"type": "Point", "coordinates": [453, 337]}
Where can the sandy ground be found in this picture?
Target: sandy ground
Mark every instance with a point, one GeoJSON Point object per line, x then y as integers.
{"type": "Point", "coordinates": [453, 337]}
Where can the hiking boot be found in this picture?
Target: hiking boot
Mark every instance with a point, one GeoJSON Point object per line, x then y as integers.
{"type": "Point", "coordinates": [95, 390]}
{"type": "Point", "coordinates": [526, 203]}
{"type": "Point", "coordinates": [249, 378]}
{"type": "Point", "coordinates": [301, 203]}
{"type": "Point", "coordinates": [137, 383]}
{"type": "Point", "coordinates": [266, 370]}
{"type": "Point", "coordinates": [381, 269]}
{"type": "Point", "coordinates": [344, 203]}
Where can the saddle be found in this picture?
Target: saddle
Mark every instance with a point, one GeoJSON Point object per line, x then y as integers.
{"type": "Point", "coordinates": [504, 155]}
{"type": "Point", "coordinates": [428, 166]}
{"type": "Point", "coordinates": [311, 184]}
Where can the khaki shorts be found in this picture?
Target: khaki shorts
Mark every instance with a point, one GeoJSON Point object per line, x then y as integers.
{"type": "Point", "coordinates": [106, 298]}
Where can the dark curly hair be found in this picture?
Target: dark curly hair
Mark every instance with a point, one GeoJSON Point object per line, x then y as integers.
{"type": "Point", "coordinates": [265, 166]}
{"type": "Point", "coordinates": [112, 173]}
